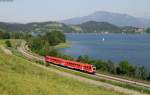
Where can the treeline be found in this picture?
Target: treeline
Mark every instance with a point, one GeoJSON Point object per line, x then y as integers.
{"type": "Point", "coordinates": [14, 35]}
{"type": "Point", "coordinates": [123, 68]}
{"type": "Point", "coordinates": [44, 44]}
{"type": "Point", "coordinates": [4, 35]}
{"type": "Point", "coordinates": [147, 30]}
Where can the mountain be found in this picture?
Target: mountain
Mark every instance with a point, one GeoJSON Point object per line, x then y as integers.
{"type": "Point", "coordinates": [93, 26]}
{"type": "Point", "coordinates": [114, 18]}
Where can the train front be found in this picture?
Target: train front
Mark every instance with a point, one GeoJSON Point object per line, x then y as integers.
{"type": "Point", "coordinates": [94, 69]}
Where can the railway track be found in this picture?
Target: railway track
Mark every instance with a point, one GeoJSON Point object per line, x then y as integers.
{"type": "Point", "coordinates": [24, 50]}
{"type": "Point", "coordinates": [123, 80]}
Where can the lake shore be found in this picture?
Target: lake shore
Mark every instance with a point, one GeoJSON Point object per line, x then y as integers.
{"type": "Point", "coordinates": [67, 44]}
{"type": "Point", "coordinates": [116, 47]}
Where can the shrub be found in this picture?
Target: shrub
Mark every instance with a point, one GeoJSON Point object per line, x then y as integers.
{"type": "Point", "coordinates": [8, 43]}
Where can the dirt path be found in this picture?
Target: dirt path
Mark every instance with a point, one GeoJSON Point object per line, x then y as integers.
{"type": "Point", "coordinates": [22, 50]}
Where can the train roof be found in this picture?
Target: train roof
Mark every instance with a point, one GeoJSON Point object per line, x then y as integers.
{"type": "Point", "coordinates": [80, 63]}
{"type": "Point", "coordinates": [85, 64]}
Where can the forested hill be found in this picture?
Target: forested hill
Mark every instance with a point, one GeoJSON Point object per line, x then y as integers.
{"type": "Point", "coordinates": [91, 26]}
{"type": "Point", "coordinates": [34, 27]}
{"type": "Point", "coordinates": [87, 27]}
{"type": "Point", "coordinates": [13, 27]}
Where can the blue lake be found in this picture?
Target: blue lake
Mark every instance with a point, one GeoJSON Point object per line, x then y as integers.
{"type": "Point", "coordinates": [116, 47]}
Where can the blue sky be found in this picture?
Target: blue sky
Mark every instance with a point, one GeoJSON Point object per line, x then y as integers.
{"type": "Point", "coordinates": [46, 10]}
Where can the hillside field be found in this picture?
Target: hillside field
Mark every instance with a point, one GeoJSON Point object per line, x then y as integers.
{"type": "Point", "coordinates": [21, 77]}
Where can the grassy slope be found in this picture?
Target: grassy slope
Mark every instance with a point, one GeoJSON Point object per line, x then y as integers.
{"type": "Point", "coordinates": [63, 45]}
{"type": "Point", "coordinates": [19, 77]}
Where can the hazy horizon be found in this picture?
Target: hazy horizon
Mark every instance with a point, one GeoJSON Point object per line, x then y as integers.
{"type": "Point", "coordinates": [23, 11]}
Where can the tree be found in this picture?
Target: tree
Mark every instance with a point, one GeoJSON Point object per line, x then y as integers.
{"type": "Point", "coordinates": [36, 43]}
{"type": "Point", "coordinates": [85, 59]}
{"type": "Point", "coordinates": [1, 34]}
{"type": "Point", "coordinates": [45, 49]}
{"type": "Point", "coordinates": [17, 35]}
{"type": "Point", "coordinates": [148, 30]}
{"type": "Point", "coordinates": [53, 52]}
{"type": "Point", "coordinates": [4, 35]}
{"type": "Point", "coordinates": [67, 57]}
{"type": "Point", "coordinates": [8, 43]}
{"type": "Point", "coordinates": [55, 37]}
{"type": "Point", "coordinates": [125, 68]}
{"type": "Point", "coordinates": [80, 59]}
{"type": "Point", "coordinates": [143, 74]}
{"type": "Point", "coordinates": [101, 65]}
{"type": "Point", "coordinates": [111, 67]}
{"type": "Point", "coordinates": [148, 78]}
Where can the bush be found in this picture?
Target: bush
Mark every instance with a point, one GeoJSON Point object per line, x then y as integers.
{"type": "Point", "coordinates": [143, 73]}
{"type": "Point", "coordinates": [55, 37]}
{"type": "Point", "coordinates": [125, 68]}
{"type": "Point", "coordinates": [8, 43]}
{"type": "Point", "coordinates": [148, 30]}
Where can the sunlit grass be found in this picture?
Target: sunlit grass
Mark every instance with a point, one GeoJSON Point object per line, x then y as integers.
{"type": "Point", "coordinates": [63, 45]}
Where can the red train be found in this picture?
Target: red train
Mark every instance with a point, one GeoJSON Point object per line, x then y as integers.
{"type": "Point", "coordinates": [89, 68]}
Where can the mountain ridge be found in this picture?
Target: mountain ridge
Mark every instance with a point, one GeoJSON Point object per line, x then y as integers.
{"type": "Point", "coordinates": [114, 18]}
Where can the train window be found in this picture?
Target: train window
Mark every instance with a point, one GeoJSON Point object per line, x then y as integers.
{"type": "Point", "coordinates": [94, 68]}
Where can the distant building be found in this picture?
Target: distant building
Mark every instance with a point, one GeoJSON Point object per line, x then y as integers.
{"type": "Point", "coordinates": [133, 29]}
{"type": "Point", "coordinates": [139, 30]}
